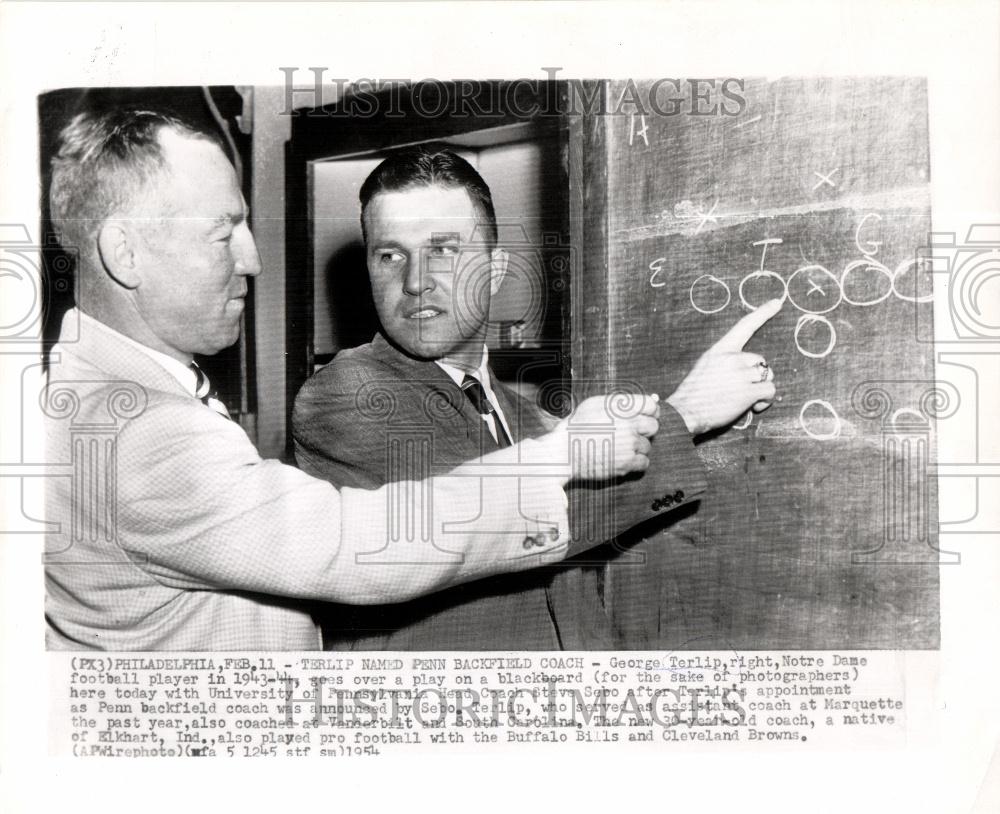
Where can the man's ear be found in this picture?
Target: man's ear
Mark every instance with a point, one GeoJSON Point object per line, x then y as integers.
{"type": "Point", "coordinates": [116, 245]}
{"type": "Point", "coordinates": [498, 269]}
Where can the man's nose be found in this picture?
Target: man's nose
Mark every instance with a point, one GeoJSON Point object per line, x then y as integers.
{"type": "Point", "coordinates": [247, 256]}
{"type": "Point", "coordinates": [416, 280]}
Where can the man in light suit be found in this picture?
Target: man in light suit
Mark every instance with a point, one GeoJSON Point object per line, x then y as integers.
{"type": "Point", "coordinates": [169, 532]}
{"type": "Point", "coordinates": [421, 397]}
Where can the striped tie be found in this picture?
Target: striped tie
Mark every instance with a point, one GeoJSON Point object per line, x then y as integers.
{"type": "Point", "coordinates": [203, 391]}
{"type": "Point", "coordinates": [477, 395]}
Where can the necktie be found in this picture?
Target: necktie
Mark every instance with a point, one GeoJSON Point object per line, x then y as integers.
{"type": "Point", "coordinates": [473, 389]}
{"type": "Point", "coordinates": [203, 391]}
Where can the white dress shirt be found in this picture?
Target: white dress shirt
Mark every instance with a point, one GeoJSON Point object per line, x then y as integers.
{"type": "Point", "coordinates": [482, 375]}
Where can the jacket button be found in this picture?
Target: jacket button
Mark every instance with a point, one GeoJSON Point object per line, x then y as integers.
{"type": "Point", "coordinates": [528, 542]}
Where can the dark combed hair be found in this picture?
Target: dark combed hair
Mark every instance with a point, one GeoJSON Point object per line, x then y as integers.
{"type": "Point", "coordinates": [104, 161]}
{"type": "Point", "coordinates": [427, 165]}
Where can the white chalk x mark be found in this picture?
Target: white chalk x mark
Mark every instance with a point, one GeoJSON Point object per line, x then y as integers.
{"type": "Point", "coordinates": [702, 216]}
{"type": "Point", "coordinates": [809, 271]}
{"type": "Point", "coordinates": [825, 179]}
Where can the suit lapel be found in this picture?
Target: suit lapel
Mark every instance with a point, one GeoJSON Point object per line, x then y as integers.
{"type": "Point", "coordinates": [520, 413]}
{"type": "Point", "coordinates": [522, 416]}
{"type": "Point", "coordinates": [429, 382]}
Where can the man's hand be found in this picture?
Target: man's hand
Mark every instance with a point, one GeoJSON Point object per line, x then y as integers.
{"type": "Point", "coordinates": [725, 382]}
{"type": "Point", "coordinates": [608, 435]}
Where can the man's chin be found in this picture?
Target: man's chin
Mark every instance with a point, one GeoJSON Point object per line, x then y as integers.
{"type": "Point", "coordinates": [219, 344]}
{"type": "Point", "coordinates": [422, 349]}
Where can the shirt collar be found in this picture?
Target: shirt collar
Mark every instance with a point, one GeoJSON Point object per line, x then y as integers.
{"type": "Point", "coordinates": [187, 378]}
{"type": "Point", "coordinates": [482, 373]}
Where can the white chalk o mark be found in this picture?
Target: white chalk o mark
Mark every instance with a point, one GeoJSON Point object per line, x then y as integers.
{"type": "Point", "coordinates": [808, 270]}
{"type": "Point", "coordinates": [762, 273]}
{"type": "Point", "coordinates": [820, 436]}
{"type": "Point", "coordinates": [806, 319]}
{"type": "Point", "coordinates": [901, 269]}
{"type": "Point", "coordinates": [712, 278]}
{"type": "Point", "coordinates": [869, 264]}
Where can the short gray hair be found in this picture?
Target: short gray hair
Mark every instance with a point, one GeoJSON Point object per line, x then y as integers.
{"type": "Point", "coordinates": [103, 163]}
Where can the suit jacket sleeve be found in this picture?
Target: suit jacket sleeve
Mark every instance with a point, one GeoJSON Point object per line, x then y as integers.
{"type": "Point", "coordinates": [676, 476]}
{"type": "Point", "coordinates": [198, 508]}
{"type": "Point", "coordinates": [339, 429]}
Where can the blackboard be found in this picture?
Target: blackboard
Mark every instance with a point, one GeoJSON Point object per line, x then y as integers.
{"type": "Point", "coordinates": [819, 527]}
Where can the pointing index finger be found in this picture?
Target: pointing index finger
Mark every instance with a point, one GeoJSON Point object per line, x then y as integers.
{"type": "Point", "coordinates": [740, 333]}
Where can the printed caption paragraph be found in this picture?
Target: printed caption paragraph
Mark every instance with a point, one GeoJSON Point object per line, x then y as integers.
{"type": "Point", "coordinates": [271, 705]}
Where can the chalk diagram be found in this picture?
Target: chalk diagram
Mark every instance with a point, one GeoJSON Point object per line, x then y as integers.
{"type": "Point", "coordinates": [815, 291]}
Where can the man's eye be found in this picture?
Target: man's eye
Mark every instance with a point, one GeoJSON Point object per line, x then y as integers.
{"type": "Point", "coordinates": [443, 251]}
{"type": "Point", "coordinates": [225, 238]}
{"type": "Point", "coordinates": [390, 257]}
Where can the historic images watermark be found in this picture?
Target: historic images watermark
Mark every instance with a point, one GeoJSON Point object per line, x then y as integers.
{"type": "Point", "coordinates": [433, 98]}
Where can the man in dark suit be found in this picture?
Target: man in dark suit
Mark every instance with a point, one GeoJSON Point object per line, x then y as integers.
{"type": "Point", "coordinates": [421, 398]}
